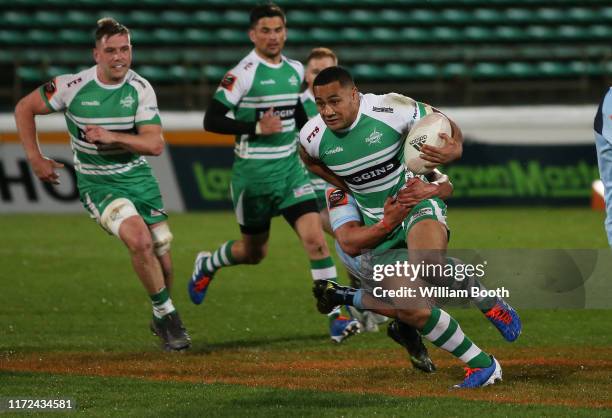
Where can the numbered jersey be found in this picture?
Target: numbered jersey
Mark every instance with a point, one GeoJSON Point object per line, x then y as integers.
{"type": "Point", "coordinates": [250, 89]}
{"type": "Point", "coordinates": [368, 155]}
{"type": "Point", "coordinates": [121, 108]}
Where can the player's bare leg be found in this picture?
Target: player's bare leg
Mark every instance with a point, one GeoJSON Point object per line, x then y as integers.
{"type": "Point", "coordinates": [136, 236]}
{"type": "Point", "coordinates": [251, 249]}
{"type": "Point", "coordinates": [310, 230]}
{"type": "Point", "coordinates": [166, 322]}
{"type": "Point", "coordinates": [165, 260]}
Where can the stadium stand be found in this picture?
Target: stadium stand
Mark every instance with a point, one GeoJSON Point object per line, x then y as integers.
{"type": "Point", "coordinates": [472, 52]}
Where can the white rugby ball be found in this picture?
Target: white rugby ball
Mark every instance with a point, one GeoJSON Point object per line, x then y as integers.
{"type": "Point", "coordinates": [425, 131]}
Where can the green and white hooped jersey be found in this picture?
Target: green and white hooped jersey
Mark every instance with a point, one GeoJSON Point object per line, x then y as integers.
{"type": "Point", "coordinates": [250, 89]}
{"type": "Point", "coordinates": [368, 154]}
{"type": "Point", "coordinates": [121, 108]}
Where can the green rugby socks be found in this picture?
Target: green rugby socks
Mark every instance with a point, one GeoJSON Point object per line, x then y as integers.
{"type": "Point", "coordinates": [162, 304]}
{"type": "Point", "coordinates": [323, 269]}
{"type": "Point", "coordinates": [221, 257]}
{"type": "Point", "coordinates": [444, 332]}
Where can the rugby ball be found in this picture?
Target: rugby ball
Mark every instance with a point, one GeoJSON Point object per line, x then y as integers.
{"type": "Point", "coordinates": [425, 131]}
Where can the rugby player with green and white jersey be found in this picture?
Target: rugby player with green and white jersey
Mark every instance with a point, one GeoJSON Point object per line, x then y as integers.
{"type": "Point", "coordinates": [106, 172]}
{"type": "Point", "coordinates": [356, 143]}
{"type": "Point", "coordinates": [258, 102]}
{"type": "Point", "coordinates": [112, 119]}
{"type": "Point", "coordinates": [369, 160]}
{"type": "Point", "coordinates": [249, 90]}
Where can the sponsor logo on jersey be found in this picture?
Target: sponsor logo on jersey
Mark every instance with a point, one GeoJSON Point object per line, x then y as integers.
{"type": "Point", "coordinates": [74, 82]}
{"type": "Point", "coordinates": [283, 112]}
{"type": "Point", "coordinates": [314, 133]}
{"type": "Point", "coordinates": [138, 80]}
{"type": "Point", "coordinates": [382, 109]}
{"type": "Point", "coordinates": [373, 173]}
{"type": "Point", "coordinates": [128, 101]}
{"type": "Point", "coordinates": [267, 82]}
{"type": "Point", "coordinates": [418, 142]}
{"type": "Point", "coordinates": [336, 197]}
{"type": "Point", "coordinates": [293, 80]}
{"type": "Point", "coordinates": [374, 137]}
{"type": "Point", "coordinates": [90, 103]}
{"type": "Point", "coordinates": [49, 88]}
{"type": "Point", "coordinates": [334, 150]}
{"type": "Point", "coordinates": [303, 190]}
{"type": "Point", "coordinates": [158, 212]}
{"type": "Point", "coordinates": [422, 212]}
{"type": "Point", "coordinates": [228, 81]}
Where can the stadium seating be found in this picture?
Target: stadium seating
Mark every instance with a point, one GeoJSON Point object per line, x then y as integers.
{"type": "Point", "coordinates": [449, 41]}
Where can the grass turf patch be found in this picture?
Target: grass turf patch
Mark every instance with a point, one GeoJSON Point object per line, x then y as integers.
{"type": "Point", "coordinates": [113, 396]}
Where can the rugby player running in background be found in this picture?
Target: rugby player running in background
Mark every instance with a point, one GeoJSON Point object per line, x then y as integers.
{"type": "Point", "coordinates": [258, 102]}
{"type": "Point", "coordinates": [112, 117]}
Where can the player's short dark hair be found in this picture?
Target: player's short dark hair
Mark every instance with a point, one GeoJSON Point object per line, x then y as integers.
{"type": "Point", "coordinates": [107, 26]}
{"type": "Point", "coordinates": [331, 74]}
{"type": "Point", "coordinates": [321, 52]}
{"type": "Point", "coordinates": [266, 10]}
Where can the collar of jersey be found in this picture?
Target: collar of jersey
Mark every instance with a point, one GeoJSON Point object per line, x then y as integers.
{"type": "Point", "coordinates": [109, 86]}
{"type": "Point", "coordinates": [266, 63]}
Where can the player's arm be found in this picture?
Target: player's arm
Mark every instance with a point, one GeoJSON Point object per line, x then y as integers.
{"type": "Point", "coordinates": [317, 167]}
{"type": "Point", "coordinates": [417, 190]}
{"type": "Point", "coordinates": [216, 120]}
{"type": "Point", "coordinates": [450, 151]}
{"type": "Point", "coordinates": [148, 141]}
{"type": "Point", "coordinates": [354, 237]}
{"type": "Point", "coordinates": [25, 111]}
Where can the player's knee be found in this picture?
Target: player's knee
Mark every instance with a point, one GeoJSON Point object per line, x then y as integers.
{"type": "Point", "coordinates": [161, 237]}
{"type": "Point", "coordinates": [139, 242]}
{"type": "Point", "coordinates": [428, 257]}
{"type": "Point", "coordinates": [315, 245]}
{"type": "Point", "coordinates": [255, 255]}
{"type": "Point", "coordinates": [414, 317]}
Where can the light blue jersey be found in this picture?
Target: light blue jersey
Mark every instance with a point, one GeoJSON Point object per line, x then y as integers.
{"type": "Point", "coordinates": [603, 142]}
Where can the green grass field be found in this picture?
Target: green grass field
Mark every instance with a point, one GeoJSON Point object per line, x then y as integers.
{"type": "Point", "coordinates": [73, 324]}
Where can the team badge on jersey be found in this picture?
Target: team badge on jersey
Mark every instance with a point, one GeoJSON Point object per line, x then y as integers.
{"type": "Point", "coordinates": [127, 101]}
{"type": "Point", "coordinates": [336, 197]}
{"type": "Point", "coordinates": [228, 81]}
{"type": "Point", "coordinates": [374, 137]}
{"type": "Point", "coordinates": [293, 80]}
